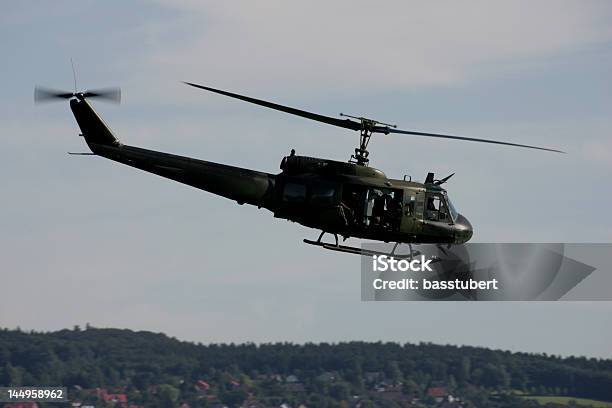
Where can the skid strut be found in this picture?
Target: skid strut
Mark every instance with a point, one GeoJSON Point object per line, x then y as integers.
{"type": "Point", "coordinates": [359, 251]}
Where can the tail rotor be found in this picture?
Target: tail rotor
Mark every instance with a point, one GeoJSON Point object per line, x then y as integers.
{"type": "Point", "coordinates": [42, 94]}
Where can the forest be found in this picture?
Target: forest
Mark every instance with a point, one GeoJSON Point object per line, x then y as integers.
{"type": "Point", "coordinates": [106, 367]}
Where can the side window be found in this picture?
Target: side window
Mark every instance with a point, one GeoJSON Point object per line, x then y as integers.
{"type": "Point", "coordinates": [322, 195]}
{"type": "Point", "coordinates": [410, 206]}
{"type": "Point", "coordinates": [294, 193]}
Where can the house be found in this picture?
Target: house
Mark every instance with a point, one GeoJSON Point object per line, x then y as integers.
{"type": "Point", "coordinates": [293, 384]}
{"type": "Point", "coordinates": [327, 377]}
{"type": "Point", "coordinates": [117, 398]}
{"type": "Point", "coordinates": [396, 396]}
{"type": "Point", "coordinates": [385, 385]}
{"type": "Point", "coordinates": [439, 394]}
{"type": "Point", "coordinates": [292, 379]}
{"type": "Point", "coordinates": [202, 386]}
{"type": "Point", "coordinates": [275, 377]}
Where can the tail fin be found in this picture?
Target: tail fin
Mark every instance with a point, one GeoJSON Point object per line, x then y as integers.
{"type": "Point", "coordinates": [93, 128]}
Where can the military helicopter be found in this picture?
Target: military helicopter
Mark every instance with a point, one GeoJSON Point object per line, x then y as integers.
{"type": "Point", "coordinates": [350, 199]}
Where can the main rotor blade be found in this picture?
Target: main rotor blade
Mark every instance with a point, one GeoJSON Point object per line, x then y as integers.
{"type": "Point", "coordinates": [469, 139]}
{"type": "Point", "coordinates": [344, 123]}
{"type": "Point", "coordinates": [354, 125]}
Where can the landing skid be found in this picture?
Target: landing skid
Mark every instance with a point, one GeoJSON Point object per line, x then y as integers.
{"type": "Point", "coordinates": [360, 251]}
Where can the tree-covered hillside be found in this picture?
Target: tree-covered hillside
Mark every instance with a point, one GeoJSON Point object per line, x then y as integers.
{"type": "Point", "coordinates": [153, 369]}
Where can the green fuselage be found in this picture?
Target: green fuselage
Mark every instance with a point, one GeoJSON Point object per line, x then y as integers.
{"type": "Point", "coordinates": [337, 197]}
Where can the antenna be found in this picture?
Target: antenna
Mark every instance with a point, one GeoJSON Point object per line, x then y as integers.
{"type": "Point", "coordinates": [73, 75]}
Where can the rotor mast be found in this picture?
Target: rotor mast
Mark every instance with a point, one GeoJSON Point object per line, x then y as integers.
{"type": "Point", "coordinates": [368, 127]}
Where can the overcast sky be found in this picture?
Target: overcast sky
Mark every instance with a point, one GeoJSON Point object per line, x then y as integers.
{"type": "Point", "coordinates": [87, 240]}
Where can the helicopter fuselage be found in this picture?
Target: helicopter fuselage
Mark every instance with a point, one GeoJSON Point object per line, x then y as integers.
{"type": "Point", "coordinates": [352, 200]}
{"type": "Point", "coordinates": [347, 199]}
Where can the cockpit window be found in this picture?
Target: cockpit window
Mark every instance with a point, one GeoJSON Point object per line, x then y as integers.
{"type": "Point", "coordinates": [453, 211]}
{"type": "Point", "coordinates": [432, 208]}
{"type": "Point", "coordinates": [438, 208]}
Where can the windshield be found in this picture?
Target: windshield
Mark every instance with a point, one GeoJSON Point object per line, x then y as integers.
{"type": "Point", "coordinates": [453, 210]}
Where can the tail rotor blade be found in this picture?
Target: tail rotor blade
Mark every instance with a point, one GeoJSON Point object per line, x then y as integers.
{"type": "Point", "coordinates": [108, 94]}
{"type": "Point", "coordinates": [42, 94]}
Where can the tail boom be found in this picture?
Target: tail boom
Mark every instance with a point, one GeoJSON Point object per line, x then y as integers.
{"type": "Point", "coordinates": [238, 184]}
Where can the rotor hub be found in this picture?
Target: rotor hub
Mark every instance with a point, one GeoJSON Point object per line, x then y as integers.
{"type": "Point", "coordinates": [368, 127]}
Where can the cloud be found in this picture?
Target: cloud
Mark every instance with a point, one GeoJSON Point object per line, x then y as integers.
{"type": "Point", "coordinates": [347, 44]}
{"type": "Point", "coordinates": [131, 249]}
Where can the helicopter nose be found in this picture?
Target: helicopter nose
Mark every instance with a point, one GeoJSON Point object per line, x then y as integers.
{"type": "Point", "coordinates": [463, 230]}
